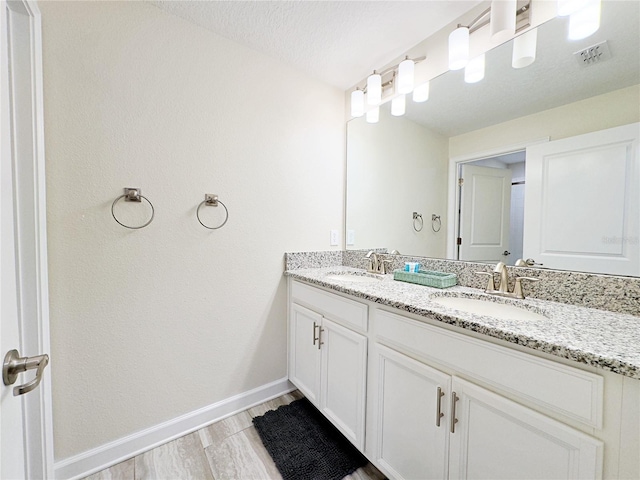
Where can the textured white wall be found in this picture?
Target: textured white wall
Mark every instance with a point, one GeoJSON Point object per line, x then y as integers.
{"type": "Point", "coordinates": [396, 167]}
{"type": "Point", "coordinates": [612, 109]}
{"type": "Point", "coordinates": [151, 324]}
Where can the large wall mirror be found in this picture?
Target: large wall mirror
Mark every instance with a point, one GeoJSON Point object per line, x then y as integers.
{"type": "Point", "coordinates": [523, 140]}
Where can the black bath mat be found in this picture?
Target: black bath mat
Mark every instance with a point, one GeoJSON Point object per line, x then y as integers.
{"type": "Point", "coordinates": [306, 446]}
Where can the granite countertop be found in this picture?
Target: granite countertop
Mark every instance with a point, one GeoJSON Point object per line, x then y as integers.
{"type": "Point", "coordinates": [607, 340]}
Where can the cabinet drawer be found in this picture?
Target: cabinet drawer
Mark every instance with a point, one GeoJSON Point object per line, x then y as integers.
{"type": "Point", "coordinates": [335, 307]}
{"type": "Point", "coordinates": [565, 390]}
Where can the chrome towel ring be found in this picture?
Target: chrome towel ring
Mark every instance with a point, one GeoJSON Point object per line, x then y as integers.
{"type": "Point", "coordinates": [211, 200]}
{"type": "Point", "coordinates": [436, 222]}
{"type": "Point", "coordinates": [417, 222]}
{"type": "Point", "coordinates": [133, 195]}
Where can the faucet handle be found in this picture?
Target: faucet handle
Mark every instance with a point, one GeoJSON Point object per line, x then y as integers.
{"type": "Point", "coordinates": [384, 266]}
{"type": "Point", "coordinates": [517, 288]}
{"type": "Point", "coordinates": [491, 286]}
{"type": "Point", "coordinates": [374, 264]}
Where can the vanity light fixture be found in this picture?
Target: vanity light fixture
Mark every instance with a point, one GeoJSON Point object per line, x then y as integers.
{"type": "Point", "coordinates": [421, 93]}
{"type": "Point", "coordinates": [373, 115]}
{"type": "Point", "coordinates": [374, 88]}
{"type": "Point", "coordinates": [502, 25]}
{"type": "Point", "coordinates": [406, 70]}
{"type": "Point", "coordinates": [585, 21]}
{"type": "Point", "coordinates": [524, 49]}
{"type": "Point", "coordinates": [357, 103]}
{"type": "Point", "coordinates": [474, 71]}
{"type": "Point", "coordinates": [459, 48]}
{"type": "Point", "coordinates": [399, 76]}
{"type": "Point", "coordinates": [504, 19]}
{"type": "Point", "coordinates": [398, 105]}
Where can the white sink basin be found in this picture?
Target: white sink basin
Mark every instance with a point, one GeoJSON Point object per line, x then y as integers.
{"type": "Point", "coordinates": [488, 308]}
{"type": "Point", "coordinates": [347, 277]}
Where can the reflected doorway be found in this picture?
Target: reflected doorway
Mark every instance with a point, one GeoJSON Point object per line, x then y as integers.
{"type": "Point", "coordinates": [490, 221]}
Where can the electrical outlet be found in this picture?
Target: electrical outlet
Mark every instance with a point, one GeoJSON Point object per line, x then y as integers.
{"type": "Point", "coordinates": [334, 238]}
{"type": "Point", "coordinates": [351, 237]}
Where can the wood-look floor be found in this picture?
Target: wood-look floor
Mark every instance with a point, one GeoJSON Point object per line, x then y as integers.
{"type": "Point", "coordinates": [226, 450]}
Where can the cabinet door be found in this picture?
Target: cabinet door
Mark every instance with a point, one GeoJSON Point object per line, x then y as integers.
{"type": "Point", "coordinates": [409, 444]}
{"type": "Point", "coordinates": [344, 371]}
{"type": "Point", "coordinates": [500, 439]}
{"type": "Point", "coordinates": [304, 351]}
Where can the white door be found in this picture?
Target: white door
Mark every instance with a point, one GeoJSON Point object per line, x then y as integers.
{"type": "Point", "coordinates": [304, 351]}
{"type": "Point", "coordinates": [499, 439]}
{"type": "Point", "coordinates": [343, 385]}
{"type": "Point", "coordinates": [412, 417]}
{"type": "Point", "coordinates": [582, 202]}
{"type": "Point", "coordinates": [485, 206]}
{"type": "Point", "coordinates": [25, 420]}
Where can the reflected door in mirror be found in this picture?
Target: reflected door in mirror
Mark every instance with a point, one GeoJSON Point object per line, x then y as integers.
{"type": "Point", "coordinates": [582, 202]}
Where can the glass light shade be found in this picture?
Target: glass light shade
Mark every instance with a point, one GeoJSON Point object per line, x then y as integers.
{"type": "Point", "coordinates": [586, 21]}
{"type": "Point", "coordinates": [374, 89]}
{"type": "Point", "coordinates": [474, 71]}
{"type": "Point", "coordinates": [398, 106]}
{"type": "Point", "coordinates": [373, 115]}
{"type": "Point", "coordinates": [405, 76]}
{"type": "Point", "coordinates": [458, 48]}
{"type": "Point", "coordinates": [421, 93]}
{"type": "Point", "coordinates": [357, 103]}
{"type": "Point", "coordinates": [524, 49]}
{"type": "Point", "coordinates": [503, 20]}
{"type": "Point", "coordinates": [567, 7]}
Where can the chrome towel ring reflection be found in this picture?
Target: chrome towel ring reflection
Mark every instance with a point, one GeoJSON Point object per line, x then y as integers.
{"type": "Point", "coordinates": [417, 222]}
{"type": "Point", "coordinates": [211, 200]}
{"type": "Point", "coordinates": [436, 222]}
{"type": "Point", "coordinates": [133, 195]}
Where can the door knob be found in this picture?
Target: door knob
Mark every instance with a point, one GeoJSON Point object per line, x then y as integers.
{"type": "Point", "coordinates": [14, 364]}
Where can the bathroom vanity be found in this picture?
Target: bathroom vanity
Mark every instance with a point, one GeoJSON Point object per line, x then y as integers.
{"type": "Point", "coordinates": [426, 390]}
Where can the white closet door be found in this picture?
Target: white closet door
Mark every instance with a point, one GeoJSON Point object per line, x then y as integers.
{"type": "Point", "coordinates": [582, 202]}
{"type": "Point", "coordinates": [485, 213]}
{"type": "Point", "coordinates": [499, 439]}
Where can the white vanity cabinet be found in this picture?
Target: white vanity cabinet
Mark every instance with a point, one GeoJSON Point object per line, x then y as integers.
{"type": "Point", "coordinates": [328, 360]}
{"type": "Point", "coordinates": [428, 422]}
{"type": "Point", "coordinates": [425, 401]}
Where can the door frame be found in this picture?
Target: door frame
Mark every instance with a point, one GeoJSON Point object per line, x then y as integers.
{"type": "Point", "coordinates": [31, 255]}
{"type": "Point", "coordinates": [453, 198]}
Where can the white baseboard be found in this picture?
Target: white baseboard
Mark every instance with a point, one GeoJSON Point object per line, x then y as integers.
{"type": "Point", "coordinates": [127, 447]}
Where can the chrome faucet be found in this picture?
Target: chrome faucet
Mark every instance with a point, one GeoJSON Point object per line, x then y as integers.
{"type": "Point", "coordinates": [502, 290]}
{"type": "Point", "coordinates": [377, 263]}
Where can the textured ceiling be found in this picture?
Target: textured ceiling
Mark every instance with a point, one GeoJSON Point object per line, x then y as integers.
{"type": "Point", "coordinates": [339, 42]}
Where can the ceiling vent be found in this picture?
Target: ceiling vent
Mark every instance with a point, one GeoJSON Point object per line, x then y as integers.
{"type": "Point", "coordinates": [594, 54]}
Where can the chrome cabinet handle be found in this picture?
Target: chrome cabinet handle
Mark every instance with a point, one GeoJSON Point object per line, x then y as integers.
{"type": "Point", "coordinates": [454, 420]}
{"type": "Point", "coordinates": [315, 339]}
{"type": "Point", "coordinates": [439, 413]}
{"type": "Point", "coordinates": [320, 342]}
{"type": "Point", "coordinates": [14, 364]}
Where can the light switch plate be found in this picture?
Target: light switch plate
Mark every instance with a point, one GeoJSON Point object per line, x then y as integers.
{"type": "Point", "coordinates": [334, 238]}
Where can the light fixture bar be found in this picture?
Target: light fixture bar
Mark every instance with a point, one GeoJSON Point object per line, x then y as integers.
{"type": "Point", "coordinates": [523, 19]}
